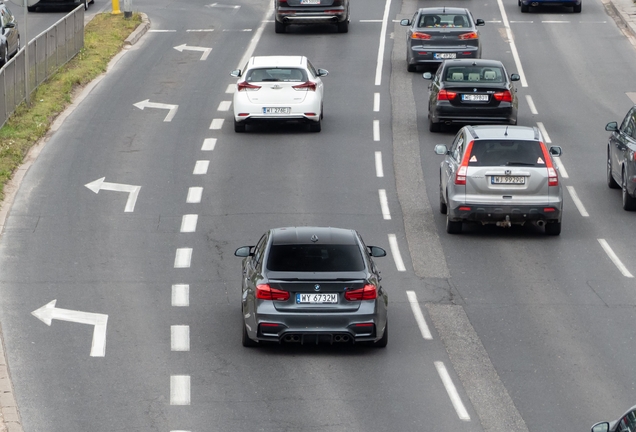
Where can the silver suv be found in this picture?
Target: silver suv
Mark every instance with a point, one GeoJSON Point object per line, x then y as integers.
{"type": "Point", "coordinates": [500, 175]}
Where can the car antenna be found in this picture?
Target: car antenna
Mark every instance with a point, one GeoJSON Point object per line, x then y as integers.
{"type": "Point", "coordinates": [506, 131]}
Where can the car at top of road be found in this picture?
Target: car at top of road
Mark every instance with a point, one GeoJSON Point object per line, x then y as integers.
{"type": "Point", "coordinates": [288, 12]}
{"type": "Point", "coordinates": [10, 37]}
{"type": "Point", "coordinates": [626, 423]}
{"type": "Point", "coordinates": [471, 91]}
{"type": "Point", "coordinates": [278, 88]}
{"type": "Point", "coordinates": [311, 285]}
{"type": "Point", "coordinates": [439, 33]}
{"type": "Point", "coordinates": [621, 158]}
{"type": "Point", "coordinates": [500, 175]}
{"type": "Point", "coordinates": [59, 3]}
{"type": "Point", "coordinates": [577, 5]}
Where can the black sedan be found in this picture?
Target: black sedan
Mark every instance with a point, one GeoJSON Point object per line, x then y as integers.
{"type": "Point", "coordinates": [624, 424]}
{"type": "Point", "coordinates": [471, 92]}
{"type": "Point", "coordinates": [312, 285]}
{"type": "Point", "coordinates": [621, 158]}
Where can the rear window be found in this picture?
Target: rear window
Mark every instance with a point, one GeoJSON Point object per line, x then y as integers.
{"type": "Point", "coordinates": [506, 153]}
{"type": "Point", "coordinates": [487, 74]}
{"type": "Point", "coordinates": [315, 258]}
{"type": "Point", "coordinates": [276, 74]}
{"type": "Point", "coordinates": [444, 20]}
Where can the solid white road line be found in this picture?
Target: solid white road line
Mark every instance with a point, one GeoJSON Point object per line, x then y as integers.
{"type": "Point", "coordinates": [617, 262]}
{"type": "Point", "coordinates": [194, 195]}
{"type": "Point", "coordinates": [379, 171]}
{"type": "Point", "coordinates": [395, 251]}
{"type": "Point", "coordinates": [419, 316]}
{"type": "Point", "coordinates": [376, 130]}
{"type": "Point", "coordinates": [224, 106]}
{"type": "Point", "coordinates": [161, 31]}
{"type": "Point", "coordinates": [533, 109]}
{"type": "Point", "coordinates": [208, 144]}
{"type": "Point", "coordinates": [182, 258]}
{"type": "Point", "coordinates": [201, 167]}
{"type": "Point", "coordinates": [384, 204]}
{"type": "Point", "coordinates": [562, 170]}
{"type": "Point", "coordinates": [378, 68]}
{"type": "Point", "coordinates": [376, 102]}
{"type": "Point", "coordinates": [452, 391]}
{"type": "Point", "coordinates": [230, 88]}
{"type": "Point", "coordinates": [577, 202]}
{"type": "Point", "coordinates": [513, 47]}
{"type": "Point", "coordinates": [522, 22]}
{"type": "Point", "coordinates": [217, 123]}
{"type": "Point", "coordinates": [180, 295]}
{"type": "Point", "coordinates": [180, 338]}
{"type": "Point", "coordinates": [544, 132]}
{"type": "Point", "coordinates": [189, 223]}
{"type": "Point", "coordinates": [179, 390]}
{"type": "Point", "coordinates": [257, 36]}
{"type": "Point", "coordinates": [199, 30]}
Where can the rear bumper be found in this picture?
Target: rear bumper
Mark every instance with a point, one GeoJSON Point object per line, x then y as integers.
{"type": "Point", "coordinates": [550, 3]}
{"type": "Point", "coordinates": [255, 119]}
{"type": "Point", "coordinates": [517, 214]}
{"type": "Point", "coordinates": [295, 16]}
{"type": "Point", "coordinates": [426, 55]}
{"type": "Point", "coordinates": [447, 113]}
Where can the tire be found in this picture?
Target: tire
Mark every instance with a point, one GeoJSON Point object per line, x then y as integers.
{"type": "Point", "coordinates": [525, 8]}
{"type": "Point", "coordinates": [629, 202]}
{"type": "Point", "coordinates": [315, 126]}
{"type": "Point", "coordinates": [384, 340]}
{"type": "Point", "coordinates": [433, 127]}
{"type": "Point", "coordinates": [443, 208]}
{"type": "Point", "coordinates": [453, 227]}
{"type": "Point", "coordinates": [239, 127]}
{"type": "Point", "coordinates": [411, 68]}
{"type": "Point", "coordinates": [85, 4]}
{"type": "Point", "coordinates": [31, 8]}
{"type": "Point", "coordinates": [343, 27]}
{"type": "Point", "coordinates": [5, 55]}
{"type": "Point", "coordinates": [553, 229]}
{"type": "Point", "coordinates": [611, 183]}
{"type": "Point", "coordinates": [279, 27]}
{"type": "Point", "coordinates": [246, 341]}
{"type": "Point", "coordinates": [577, 8]}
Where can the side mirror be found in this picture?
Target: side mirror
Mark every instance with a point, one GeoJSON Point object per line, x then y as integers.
{"type": "Point", "coordinates": [322, 72]}
{"type": "Point", "coordinates": [601, 427]}
{"type": "Point", "coordinates": [556, 151]}
{"type": "Point", "coordinates": [236, 73]}
{"type": "Point", "coordinates": [611, 126]}
{"type": "Point", "coordinates": [515, 77]}
{"type": "Point", "coordinates": [480, 22]}
{"type": "Point", "coordinates": [9, 25]}
{"type": "Point", "coordinates": [376, 251]}
{"type": "Point", "coordinates": [441, 149]}
{"type": "Point", "coordinates": [427, 75]}
{"type": "Point", "coordinates": [405, 22]}
{"type": "Point", "coordinates": [244, 251]}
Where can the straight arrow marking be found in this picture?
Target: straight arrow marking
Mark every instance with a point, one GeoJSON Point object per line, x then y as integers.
{"type": "Point", "coordinates": [204, 56]}
{"type": "Point", "coordinates": [147, 104]}
{"type": "Point", "coordinates": [133, 191]}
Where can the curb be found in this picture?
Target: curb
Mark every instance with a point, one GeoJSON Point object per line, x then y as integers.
{"type": "Point", "coordinates": [622, 19]}
{"type": "Point", "coordinates": [139, 31]}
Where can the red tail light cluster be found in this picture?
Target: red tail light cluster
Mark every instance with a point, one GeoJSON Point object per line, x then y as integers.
{"type": "Point", "coordinates": [466, 36]}
{"type": "Point", "coordinates": [265, 292]}
{"type": "Point", "coordinates": [306, 86]}
{"type": "Point", "coordinates": [282, 3]}
{"type": "Point", "coordinates": [504, 96]}
{"type": "Point", "coordinates": [245, 86]}
{"type": "Point", "coordinates": [460, 177]}
{"type": "Point", "coordinates": [368, 292]}
{"type": "Point", "coordinates": [446, 95]}
{"type": "Point", "coordinates": [420, 35]}
{"type": "Point", "coordinates": [553, 176]}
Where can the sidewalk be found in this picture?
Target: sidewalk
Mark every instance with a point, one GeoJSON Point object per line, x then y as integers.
{"type": "Point", "coordinates": [624, 12]}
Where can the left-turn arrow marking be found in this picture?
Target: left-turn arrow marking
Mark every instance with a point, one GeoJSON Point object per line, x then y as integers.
{"type": "Point", "coordinates": [133, 191]}
{"type": "Point", "coordinates": [147, 104]}
{"type": "Point", "coordinates": [206, 51]}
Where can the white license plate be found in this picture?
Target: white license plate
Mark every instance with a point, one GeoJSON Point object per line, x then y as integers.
{"type": "Point", "coordinates": [276, 110]}
{"type": "Point", "coordinates": [508, 180]}
{"type": "Point", "coordinates": [316, 298]}
{"type": "Point", "coordinates": [312, 2]}
{"type": "Point", "coordinates": [475, 97]}
{"type": "Point", "coordinates": [445, 55]}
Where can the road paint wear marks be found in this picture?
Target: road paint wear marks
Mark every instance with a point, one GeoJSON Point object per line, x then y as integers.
{"type": "Point", "coordinates": [379, 171]}
{"type": "Point", "coordinates": [384, 204]}
{"type": "Point", "coordinates": [513, 47]}
{"type": "Point", "coordinates": [194, 195]}
{"type": "Point", "coordinates": [180, 338]}
{"type": "Point", "coordinates": [395, 251]}
{"type": "Point", "coordinates": [180, 295]}
{"type": "Point", "coordinates": [533, 109]}
{"type": "Point", "coordinates": [231, 88]}
{"type": "Point", "coordinates": [617, 262]}
{"type": "Point", "coordinates": [257, 36]}
{"type": "Point", "coordinates": [577, 202]}
{"type": "Point", "coordinates": [544, 132]}
{"type": "Point", "coordinates": [452, 391]}
{"type": "Point", "coordinates": [561, 167]}
{"type": "Point", "coordinates": [217, 123]}
{"type": "Point", "coordinates": [378, 68]}
{"type": "Point", "coordinates": [224, 106]}
{"type": "Point", "coordinates": [183, 258]}
{"type": "Point", "coordinates": [189, 223]}
{"type": "Point", "coordinates": [201, 167]}
{"type": "Point", "coordinates": [208, 144]}
{"type": "Point", "coordinates": [419, 316]}
{"type": "Point", "coordinates": [376, 130]}
{"type": "Point", "coordinates": [376, 102]}
{"type": "Point", "coordinates": [179, 390]}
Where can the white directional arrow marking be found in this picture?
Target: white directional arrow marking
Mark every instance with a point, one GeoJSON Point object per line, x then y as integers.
{"type": "Point", "coordinates": [206, 51]}
{"type": "Point", "coordinates": [147, 104]}
{"type": "Point", "coordinates": [133, 191]}
{"type": "Point", "coordinates": [49, 312]}
{"type": "Point", "coordinates": [224, 6]}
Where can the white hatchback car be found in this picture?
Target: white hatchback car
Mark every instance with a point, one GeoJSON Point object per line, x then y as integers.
{"type": "Point", "coordinates": [278, 88]}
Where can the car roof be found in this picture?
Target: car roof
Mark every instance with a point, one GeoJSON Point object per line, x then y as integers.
{"type": "Point", "coordinates": [277, 61]}
{"type": "Point", "coordinates": [448, 10]}
{"type": "Point", "coordinates": [505, 132]}
{"type": "Point", "coordinates": [303, 235]}
{"type": "Point", "coordinates": [472, 62]}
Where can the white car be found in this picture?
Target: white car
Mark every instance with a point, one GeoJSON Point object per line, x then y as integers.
{"type": "Point", "coordinates": [278, 88]}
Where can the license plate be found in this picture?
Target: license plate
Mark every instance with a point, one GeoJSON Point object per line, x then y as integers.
{"type": "Point", "coordinates": [508, 180]}
{"type": "Point", "coordinates": [445, 55]}
{"type": "Point", "coordinates": [311, 2]}
{"type": "Point", "coordinates": [475, 97]}
{"type": "Point", "coordinates": [316, 298]}
{"type": "Point", "coordinates": [276, 110]}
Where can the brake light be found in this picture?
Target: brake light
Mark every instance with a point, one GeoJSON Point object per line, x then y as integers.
{"type": "Point", "coordinates": [306, 86]}
{"type": "Point", "coordinates": [368, 292]}
{"type": "Point", "coordinates": [282, 3]}
{"type": "Point", "coordinates": [553, 175]}
{"type": "Point", "coordinates": [420, 35]}
{"type": "Point", "coordinates": [446, 95]}
{"type": "Point", "coordinates": [460, 177]}
{"type": "Point", "coordinates": [504, 96]}
{"type": "Point", "coordinates": [247, 86]}
{"type": "Point", "coordinates": [466, 36]}
{"type": "Point", "coordinates": [265, 292]}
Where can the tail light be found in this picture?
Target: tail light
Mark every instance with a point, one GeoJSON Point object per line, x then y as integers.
{"type": "Point", "coordinates": [553, 175]}
{"type": "Point", "coordinates": [306, 86]}
{"type": "Point", "coordinates": [466, 36]}
{"type": "Point", "coordinates": [265, 292]}
{"type": "Point", "coordinates": [420, 35]}
{"type": "Point", "coordinates": [368, 292]}
{"type": "Point", "coordinates": [504, 96]}
{"type": "Point", "coordinates": [247, 86]}
{"type": "Point", "coordinates": [460, 176]}
{"type": "Point", "coordinates": [446, 95]}
{"type": "Point", "coordinates": [282, 3]}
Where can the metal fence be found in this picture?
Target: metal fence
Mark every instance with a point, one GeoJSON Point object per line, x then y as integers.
{"type": "Point", "coordinates": [47, 53]}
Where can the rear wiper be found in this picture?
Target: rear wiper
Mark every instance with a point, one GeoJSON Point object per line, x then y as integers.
{"type": "Point", "coordinates": [519, 164]}
{"type": "Point", "coordinates": [270, 79]}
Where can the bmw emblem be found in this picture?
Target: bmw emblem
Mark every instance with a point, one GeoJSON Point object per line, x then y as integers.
{"type": "Point", "coordinates": [317, 287]}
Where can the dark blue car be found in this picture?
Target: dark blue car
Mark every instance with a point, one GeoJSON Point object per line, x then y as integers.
{"type": "Point", "coordinates": [576, 5]}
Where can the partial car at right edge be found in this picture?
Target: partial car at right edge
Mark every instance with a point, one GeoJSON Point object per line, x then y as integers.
{"type": "Point", "coordinates": [621, 158]}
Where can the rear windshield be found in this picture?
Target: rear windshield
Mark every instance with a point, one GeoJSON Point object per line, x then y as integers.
{"type": "Point", "coordinates": [487, 74]}
{"type": "Point", "coordinates": [506, 153]}
{"type": "Point", "coordinates": [444, 20]}
{"type": "Point", "coordinates": [315, 258]}
{"type": "Point", "coordinates": [276, 74]}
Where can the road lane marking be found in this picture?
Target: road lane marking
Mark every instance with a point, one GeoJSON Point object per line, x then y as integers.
{"type": "Point", "coordinates": [544, 133]}
{"type": "Point", "coordinates": [217, 123]}
{"type": "Point", "coordinates": [379, 171]}
{"type": "Point", "coordinates": [419, 316]}
{"type": "Point", "coordinates": [208, 144]}
{"type": "Point", "coordinates": [180, 295]}
{"type": "Point", "coordinates": [131, 190]}
{"type": "Point", "coordinates": [179, 390]}
{"type": "Point", "coordinates": [533, 109]}
{"type": "Point", "coordinates": [237, 30]}
{"type": "Point", "coordinates": [376, 130]}
{"type": "Point", "coordinates": [224, 106]}
{"type": "Point", "coordinates": [230, 88]}
{"type": "Point", "coordinates": [161, 31]}
{"type": "Point", "coordinates": [183, 258]}
{"type": "Point", "coordinates": [189, 223]}
{"type": "Point", "coordinates": [513, 47]}
{"type": "Point", "coordinates": [522, 22]}
{"type": "Point", "coordinates": [617, 262]}
{"type": "Point", "coordinates": [384, 204]}
{"type": "Point", "coordinates": [452, 391]}
{"type": "Point", "coordinates": [376, 102]}
{"type": "Point", "coordinates": [555, 22]}
{"type": "Point", "coordinates": [371, 21]}
{"type": "Point", "coordinates": [194, 195]}
{"type": "Point", "coordinates": [395, 251]}
{"type": "Point", "coordinates": [201, 167]}
{"type": "Point", "coordinates": [561, 167]}
{"type": "Point", "coordinates": [632, 96]}
{"type": "Point", "coordinates": [199, 30]}
{"type": "Point", "coordinates": [172, 109]}
{"type": "Point", "coordinates": [179, 338]}
{"type": "Point", "coordinates": [577, 202]}
{"type": "Point", "coordinates": [385, 19]}
{"type": "Point", "coordinates": [257, 36]}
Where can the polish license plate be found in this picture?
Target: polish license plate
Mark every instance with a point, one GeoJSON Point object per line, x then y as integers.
{"type": "Point", "coordinates": [316, 298]}
{"type": "Point", "coordinates": [440, 56]}
{"type": "Point", "coordinates": [276, 110]}
{"type": "Point", "coordinates": [508, 180]}
{"type": "Point", "coordinates": [311, 2]}
{"type": "Point", "coordinates": [475, 97]}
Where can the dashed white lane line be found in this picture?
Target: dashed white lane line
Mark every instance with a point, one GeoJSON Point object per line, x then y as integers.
{"type": "Point", "coordinates": [180, 295]}
{"type": "Point", "coordinates": [224, 106]}
{"type": "Point", "coordinates": [189, 223]}
{"type": "Point", "coordinates": [199, 30]}
{"type": "Point", "coordinates": [201, 167]}
{"type": "Point", "coordinates": [230, 88]}
{"type": "Point", "coordinates": [180, 390]}
{"type": "Point", "coordinates": [555, 22]}
{"type": "Point", "coordinates": [544, 132]}
{"type": "Point", "coordinates": [372, 21]}
{"type": "Point", "coordinates": [521, 22]}
{"type": "Point", "coordinates": [237, 30]}
{"type": "Point", "coordinates": [513, 47]}
{"type": "Point", "coordinates": [161, 31]}
{"type": "Point", "coordinates": [577, 202]}
{"type": "Point", "coordinates": [183, 258]}
{"type": "Point", "coordinates": [617, 262]}
{"type": "Point", "coordinates": [395, 251]}
{"type": "Point", "coordinates": [452, 391]}
{"type": "Point", "coordinates": [419, 316]}
{"type": "Point", "coordinates": [180, 338]}
{"type": "Point", "coordinates": [533, 109]}
{"type": "Point", "coordinates": [562, 171]}
{"type": "Point", "coordinates": [384, 204]}
{"type": "Point", "coordinates": [379, 171]}
{"type": "Point", "coordinates": [376, 102]}
{"type": "Point", "coordinates": [217, 123]}
{"type": "Point", "coordinates": [194, 195]}
{"type": "Point", "coordinates": [208, 144]}
{"type": "Point", "coordinates": [385, 19]}
{"type": "Point", "coordinates": [376, 130]}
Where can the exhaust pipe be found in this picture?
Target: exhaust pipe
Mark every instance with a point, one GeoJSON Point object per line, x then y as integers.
{"type": "Point", "coordinates": [541, 223]}
{"type": "Point", "coordinates": [291, 338]}
{"type": "Point", "coordinates": [337, 338]}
